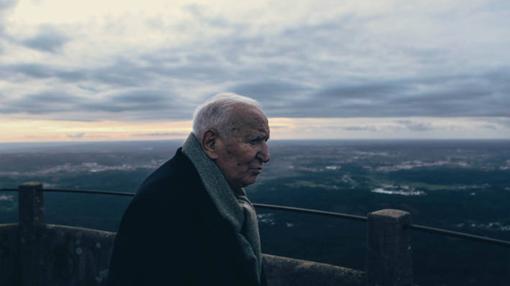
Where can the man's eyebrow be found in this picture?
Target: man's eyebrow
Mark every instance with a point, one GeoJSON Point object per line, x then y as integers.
{"type": "Point", "coordinates": [258, 135]}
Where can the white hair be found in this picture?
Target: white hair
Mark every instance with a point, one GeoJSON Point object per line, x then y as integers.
{"type": "Point", "coordinates": [216, 113]}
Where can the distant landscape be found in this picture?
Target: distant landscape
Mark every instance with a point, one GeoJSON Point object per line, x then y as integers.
{"type": "Point", "coordinates": [457, 185]}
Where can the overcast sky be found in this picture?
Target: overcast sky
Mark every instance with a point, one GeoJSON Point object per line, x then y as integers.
{"type": "Point", "coordinates": [106, 70]}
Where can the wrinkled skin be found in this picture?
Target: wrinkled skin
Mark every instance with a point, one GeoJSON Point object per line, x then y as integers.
{"type": "Point", "coordinates": [241, 155]}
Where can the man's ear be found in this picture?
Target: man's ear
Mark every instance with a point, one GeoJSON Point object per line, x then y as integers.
{"type": "Point", "coordinates": [209, 144]}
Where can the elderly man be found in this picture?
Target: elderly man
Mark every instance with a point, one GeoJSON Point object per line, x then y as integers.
{"type": "Point", "coordinates": [191, 222]}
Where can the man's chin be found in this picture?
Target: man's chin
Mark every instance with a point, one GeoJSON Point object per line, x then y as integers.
{"type": "Point", "coordinates": [249, 181]}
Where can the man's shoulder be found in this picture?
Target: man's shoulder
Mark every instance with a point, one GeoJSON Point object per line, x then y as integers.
{"type": "Point", "coordinates": [171, 182]}
{"type": "Point", "coordinates": [164, 197]}
{"type": "Point", "coordinates": [175, 171]}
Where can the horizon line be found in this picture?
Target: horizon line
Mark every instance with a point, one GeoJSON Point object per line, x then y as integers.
{"type": "Point", "coordinates": [271, 140]}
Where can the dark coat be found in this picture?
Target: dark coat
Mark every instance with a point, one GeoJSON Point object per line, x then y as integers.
{"type": "Point", "coordinates": [172, 234]}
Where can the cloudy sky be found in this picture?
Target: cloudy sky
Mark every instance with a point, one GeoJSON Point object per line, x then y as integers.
{"type": "Point", "coordinates": [129, 70]}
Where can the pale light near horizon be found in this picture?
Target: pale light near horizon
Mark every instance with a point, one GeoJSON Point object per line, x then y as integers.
{"type": "Point", "coordinates": [281, 129]}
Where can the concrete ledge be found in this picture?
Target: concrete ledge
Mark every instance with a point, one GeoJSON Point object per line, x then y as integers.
{"type": "Point", "coordinates": [284, 271]}
{"type": "Point", "coordinates": [75, 256]}
{"type": "Point", "coordinates": [9, 254]}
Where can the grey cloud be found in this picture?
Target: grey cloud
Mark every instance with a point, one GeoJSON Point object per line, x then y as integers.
{"type": "Point", "coordinates": [139, 103]}
{"type": "Point", "coordinates": [440, 95]}
{"type": "Point", "coordinates": [415, 125]}
{"type": "Point", "coordinates": [276, 96]}
{"type": "Point", "coordinates": [47, 39]}
{"type": "Point", "coordinates": [189, 64]}
{"type": "Point", "coordinates": [6, 4]}
{"type": "Point", "coordinates": [141, 96]}
{"type": "Point", "coordinates": [41, 103]}
{"type": "Point", "coordinates": [125, 72]}
{"type": "Point", "coordinates": [43, 71]}
{"type": "Point", "coordinates": [474, 95]}
{"type": "Point", "coordinates": [361, 90]}
{"type": "Point", "coordinates": [272, 94]}
{"type": "Point", "coordinates": [119, 73]}
{"type": "Point", "coordinates": [131, 100]}
{"type": "Point", "coordinates": [29, 70]}
{"type": "Point", "coordinates": [241, 54]}
{"type": "Point", "coordinates": [265, 90]}
{"type": "Point", "coordinates": [122, 72]}
{"type": "Point", "coordinates": [330, 68]}
{"type": "Point", "coordinates": [463, 95]}
{"type": "Point", "coordinates": [128, 103]}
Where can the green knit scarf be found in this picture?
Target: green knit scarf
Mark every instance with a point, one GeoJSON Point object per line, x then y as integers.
{"type": "Point", "coordinates": [235, 208]}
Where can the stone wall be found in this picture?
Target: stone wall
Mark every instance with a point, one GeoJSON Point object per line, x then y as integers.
{"type": "Point", "coordinates": [34, 253]}
{"type": "Point", "coordinates": [73, 256]}
{"type": "Point", "coordinates": [9, 254]}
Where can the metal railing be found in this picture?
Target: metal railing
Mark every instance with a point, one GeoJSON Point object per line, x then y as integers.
{"type": "Point", "coordinates": [388, 251]}
{"type": "Point", "coordinates": [423, 228]}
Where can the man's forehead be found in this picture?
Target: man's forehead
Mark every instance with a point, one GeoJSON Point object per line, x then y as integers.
{"type": "Point", "coordinates": [250, 120]}
{"type": "Point", "coordinates": [249, 116]}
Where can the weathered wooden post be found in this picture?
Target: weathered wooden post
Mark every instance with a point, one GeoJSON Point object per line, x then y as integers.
{"type": "Point", "coordinates": [389, 261]}
{"type": "Point", "coordinates": [31, 218]}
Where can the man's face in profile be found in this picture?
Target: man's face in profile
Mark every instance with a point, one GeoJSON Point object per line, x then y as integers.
{"type": "Point", "coordinates": [242, 155]}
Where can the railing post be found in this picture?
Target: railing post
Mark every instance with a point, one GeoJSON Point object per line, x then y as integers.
{"type": "Point", "coordinates": [31, 218]}
{"type": "Point", "coordinates": [389, 261]}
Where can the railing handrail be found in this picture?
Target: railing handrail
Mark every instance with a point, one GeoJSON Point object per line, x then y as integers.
{"type": "Point", "coordinates": [418, 227]}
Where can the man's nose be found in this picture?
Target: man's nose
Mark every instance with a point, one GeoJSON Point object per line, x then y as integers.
{"type": "Point", "coordinates": [263, 154]}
